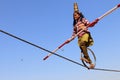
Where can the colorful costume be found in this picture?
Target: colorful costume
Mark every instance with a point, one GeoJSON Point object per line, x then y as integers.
{"type": "Point", "coordinates": [84, 38]}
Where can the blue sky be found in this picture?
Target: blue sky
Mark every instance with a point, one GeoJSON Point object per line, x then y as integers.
{"type": "Point", "coordinates": [48, 23]}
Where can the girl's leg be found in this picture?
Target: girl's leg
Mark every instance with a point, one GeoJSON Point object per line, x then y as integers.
{"type": "Point", "coordinates": [83, 48]}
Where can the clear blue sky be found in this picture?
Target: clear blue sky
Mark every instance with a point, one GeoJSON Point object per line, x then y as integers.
{"type": "Point", "coordinates": [48, 23]}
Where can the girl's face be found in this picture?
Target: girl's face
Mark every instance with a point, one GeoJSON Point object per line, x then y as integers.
{"type": "Point", "coordinates": [76, 16]}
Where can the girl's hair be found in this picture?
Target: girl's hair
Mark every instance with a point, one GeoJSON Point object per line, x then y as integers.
{"type": "Point", "coordinates": [81, 16]}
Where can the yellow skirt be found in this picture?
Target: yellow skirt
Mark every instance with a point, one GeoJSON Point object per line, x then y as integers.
{"type": "Point", "coordinates": [85, 38]}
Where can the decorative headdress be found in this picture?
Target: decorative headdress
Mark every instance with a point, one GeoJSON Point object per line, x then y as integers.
{"type": "Point", "coordinates": [76, 7]}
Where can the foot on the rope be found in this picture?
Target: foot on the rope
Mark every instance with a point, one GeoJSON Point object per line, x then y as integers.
{"type": "Point", "coordinates": [91, 66]}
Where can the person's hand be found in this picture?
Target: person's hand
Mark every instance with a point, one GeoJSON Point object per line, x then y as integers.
{"type": "Point", "coordinates": [70, 39]}
{"type": "Point", "coordinates": [67, 41]}
{"type": "Point", "coordinates": [93, 23]}
{"type": "Point", "coordinates": [83, 27]}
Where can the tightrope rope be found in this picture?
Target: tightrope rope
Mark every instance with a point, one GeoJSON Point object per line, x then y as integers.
{"type": "Point", "coordinates": [55, 53]}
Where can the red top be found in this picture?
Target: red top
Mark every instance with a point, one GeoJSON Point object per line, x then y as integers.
{"type": "Point", "coordinates": [79, 25]}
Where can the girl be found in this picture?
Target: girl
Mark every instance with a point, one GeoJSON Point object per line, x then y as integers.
{"type": "Point", "coordinates": [84, 38]}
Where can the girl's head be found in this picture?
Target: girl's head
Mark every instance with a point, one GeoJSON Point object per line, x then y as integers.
{"type": "Point", "coordinates": [77, 16]}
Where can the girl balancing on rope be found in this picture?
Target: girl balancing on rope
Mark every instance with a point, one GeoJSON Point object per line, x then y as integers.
{"type": "Point", "coordinates": [84, 38]}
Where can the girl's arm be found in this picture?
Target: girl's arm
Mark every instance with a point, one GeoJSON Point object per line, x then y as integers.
{"type": "Point", "coordinates": [93, 23]}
